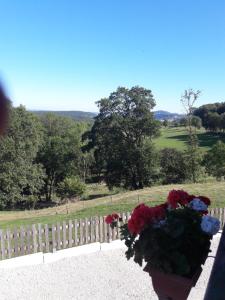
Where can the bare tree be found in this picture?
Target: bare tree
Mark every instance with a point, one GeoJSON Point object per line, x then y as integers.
{"type": "Point", "coordinates": [188, 100]}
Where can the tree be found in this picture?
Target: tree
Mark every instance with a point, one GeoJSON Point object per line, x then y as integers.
{"type": "Point", "coordinates": [193, 154]}
{"type": "Point", "coordinates": [196, 122]}
{"type": "Point", "coordinates": [214, 160]}
{"type": "Point", "coordinates": [121, 138]}
{"type": "Point", "coordinates": [21, 179]}
{"type": "Point", "coordinates": [223, 121]}
{"type": "Point", "coordinates": [60, 153]}
{"type": "Point", "coordinates": [211, 116]}
{"type": "Point", "coordinates": [183, 122]}
{"type": "Point", "coordinates": [4, 110]}
{"type": "Point", "coordinates": [213, 121]}
{"type": "Point", "coordinates": [165, 123]}
{"type": "Point", "coordinates": [173, 167]}
{"type": "Point", "coordinates": [71, 187]}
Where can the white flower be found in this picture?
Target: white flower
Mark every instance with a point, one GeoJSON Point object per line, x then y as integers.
{"type": "Point", "coordinates": [198, 205]}
{"type": "Point", "coordinates": [210, 225]}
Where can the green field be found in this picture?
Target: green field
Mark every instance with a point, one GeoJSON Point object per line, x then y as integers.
{"type": "Point", "coordinates": [100, 201]}
{"type": "Point", "coordinates": [121, 202]}
{"type": "Point", "coordinates": [176, 137]}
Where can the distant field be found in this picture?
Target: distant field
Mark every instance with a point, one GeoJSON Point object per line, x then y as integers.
{"type": "Point", "coordinates": [121, 202]}
{"type": "Point", "coordinates": [177, 137]}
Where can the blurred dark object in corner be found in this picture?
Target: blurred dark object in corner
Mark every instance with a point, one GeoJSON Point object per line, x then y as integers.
{"type": "Point", "coordinates": [4, 110]}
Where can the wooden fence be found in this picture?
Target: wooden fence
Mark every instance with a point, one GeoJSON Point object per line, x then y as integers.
{"type": "Point", "coordinates": [50, 238]}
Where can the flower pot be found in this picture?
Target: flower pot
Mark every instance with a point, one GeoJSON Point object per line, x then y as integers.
{"type": "Point", "coordinates": [171, 286]}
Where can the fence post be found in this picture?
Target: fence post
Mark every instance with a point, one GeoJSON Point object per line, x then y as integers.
{"type": "Point", "coordinates": [2, 241]}
{"type": "Point", "coordinates": [22, 246]}
{"type": "Point", "coordinates": [8, 234]}
{"type": "Point", "coordinates": [15, 242]}
{"type": "Point", "coordinates": [64, 234]}
{"type": "Point", "coordinates": [92, 221]}
{"type": "Point", "coordinates": [81, 232]}
{"type": "Point", "coordinates": [101, 235]}
{"type": "Point", "coordinates": [53, 238]}
{"type": "Point", "coordinates": [46, 238]}
{"type": "Point", "coordinates": [58, 236]}
{"type": "Point", "coordinates": [70, 244]}
{"type": "Point", "coordinates": [96, 229]}
{"type": "Point", "coordinates": [35, 246]}
{"type": "Point", "coordinates": [86, 231]}
{"type": "Point", "coordinates": [40, 237]}
{"type": "Point", "coordinates": [28, 233]}
{"type": "Point", "coordinates": [75, 233]}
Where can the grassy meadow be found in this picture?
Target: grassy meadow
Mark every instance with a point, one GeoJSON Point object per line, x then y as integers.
{"type": "Point", "coordinates": [177, 137]}
{"type": "Point", "coordinates": [100, 201]}
{"type": "Point", "coordinates": [121, 202]}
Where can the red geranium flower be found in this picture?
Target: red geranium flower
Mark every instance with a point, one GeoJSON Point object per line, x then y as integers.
{"type": "Point", "coordinates": [159, 211]}
{"type": "Point", "coordinates": [176, 197]}
{"type": "Point", "coordinates": [144, 215]}
{"type": "Point", "coordinates": [141, 216]}
{"type": "Point", "coordinates": [205, 200]}
{"type": "Point", "coordinates": [109, 219]}
{"type": "Point", "coordinates": [115, 216]}
{"type": "Point", "coordinates": [191, 197]}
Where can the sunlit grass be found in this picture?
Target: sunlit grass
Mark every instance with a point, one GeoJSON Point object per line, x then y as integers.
{"type": "Point", "coordinates": [121, 202]}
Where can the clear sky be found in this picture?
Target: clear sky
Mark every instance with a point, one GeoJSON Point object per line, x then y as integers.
{"type": "Point", "coordinates": [68, 54]}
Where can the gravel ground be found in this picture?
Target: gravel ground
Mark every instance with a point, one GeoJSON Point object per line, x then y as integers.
{"type": "Point", "coordinates": [96, 276]}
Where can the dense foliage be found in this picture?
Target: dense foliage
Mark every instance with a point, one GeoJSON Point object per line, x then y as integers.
{"type": "Point", "coordinates": [121, 138]}
{"type": "Point", "coordinates": [46, 157]}
{"type": "Point", "coordinates": [21, 178]}
{"type": "Point", "coordinates": [212, 116]}
{"type": "Point", "coordinates": [214, 160]}
{"type": "Point", "coordinates": [71, 187]}
{"type": "Point", "coordinates": [173, 166]}
{"type": "Point", "coordinates": [36, 155]}
{"type": "Point", "coordinates": [60, 153]}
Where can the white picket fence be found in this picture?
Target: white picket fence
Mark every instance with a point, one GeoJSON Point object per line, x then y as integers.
{"type": "Point", "coordinates": [50, 238]}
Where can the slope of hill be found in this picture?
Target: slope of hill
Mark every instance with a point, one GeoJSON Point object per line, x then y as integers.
{"type": "Point", "coordinates": [76, 114]}
{"type": "Point", "coordinates": [121, 202]}
{"type": "Point", "coordinates": [165, 115]}
{"type": "Point", "coordinates": [177, 137]}
{"type": "Point", "coordinates": [87, 116]}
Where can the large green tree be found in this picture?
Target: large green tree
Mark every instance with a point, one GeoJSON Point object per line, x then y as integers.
{"type": "Point", "coordinates": [60, 153]}
{"type": "Point", "coordinates": [173, 167]}
{"type": "Point", "coordinates": [212, 116]}
{"type": "Point", "coordinates": [121, 137]}
{"type": "Point", "coordinates": [214, 160]}
{"type": "Point", "coordinates": [20, 177]}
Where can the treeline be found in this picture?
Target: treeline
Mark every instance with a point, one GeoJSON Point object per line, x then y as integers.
{"type": "Point", "coordinates": [212, 116]}
{"type": "Point", "coordinates": [40, 157]}
{"type": "Point", "coordinates": [44, 158]}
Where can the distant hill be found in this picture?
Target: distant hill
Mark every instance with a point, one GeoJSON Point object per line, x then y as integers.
{"type": "Point", "coordinates": [74, 114]}
{"type": "Point", "coordinates": [88, 116]}
{"type": "Point", "coordinates": [165, 115]}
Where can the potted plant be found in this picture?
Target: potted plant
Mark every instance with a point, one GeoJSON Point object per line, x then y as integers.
{"type": "Point", "coordinates": [173, 239]}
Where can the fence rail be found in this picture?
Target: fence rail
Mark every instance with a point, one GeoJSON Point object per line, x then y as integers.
{"type": "Point", "coordinates": [50, 238]}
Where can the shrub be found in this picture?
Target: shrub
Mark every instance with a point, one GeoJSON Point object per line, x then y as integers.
{"type": "Point", "coordinates": [71, 187]}
{"type": "Point", "coordinates": [172, 166]}
{"type": "Point", "coordinates": [214, 160]}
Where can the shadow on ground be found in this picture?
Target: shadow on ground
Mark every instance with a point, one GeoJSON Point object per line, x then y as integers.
{"type": "Point", "coordinates": [206, 139]}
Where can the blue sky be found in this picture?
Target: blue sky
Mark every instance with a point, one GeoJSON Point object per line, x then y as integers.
{"type": "Point", "coordinates": [68, 54]}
